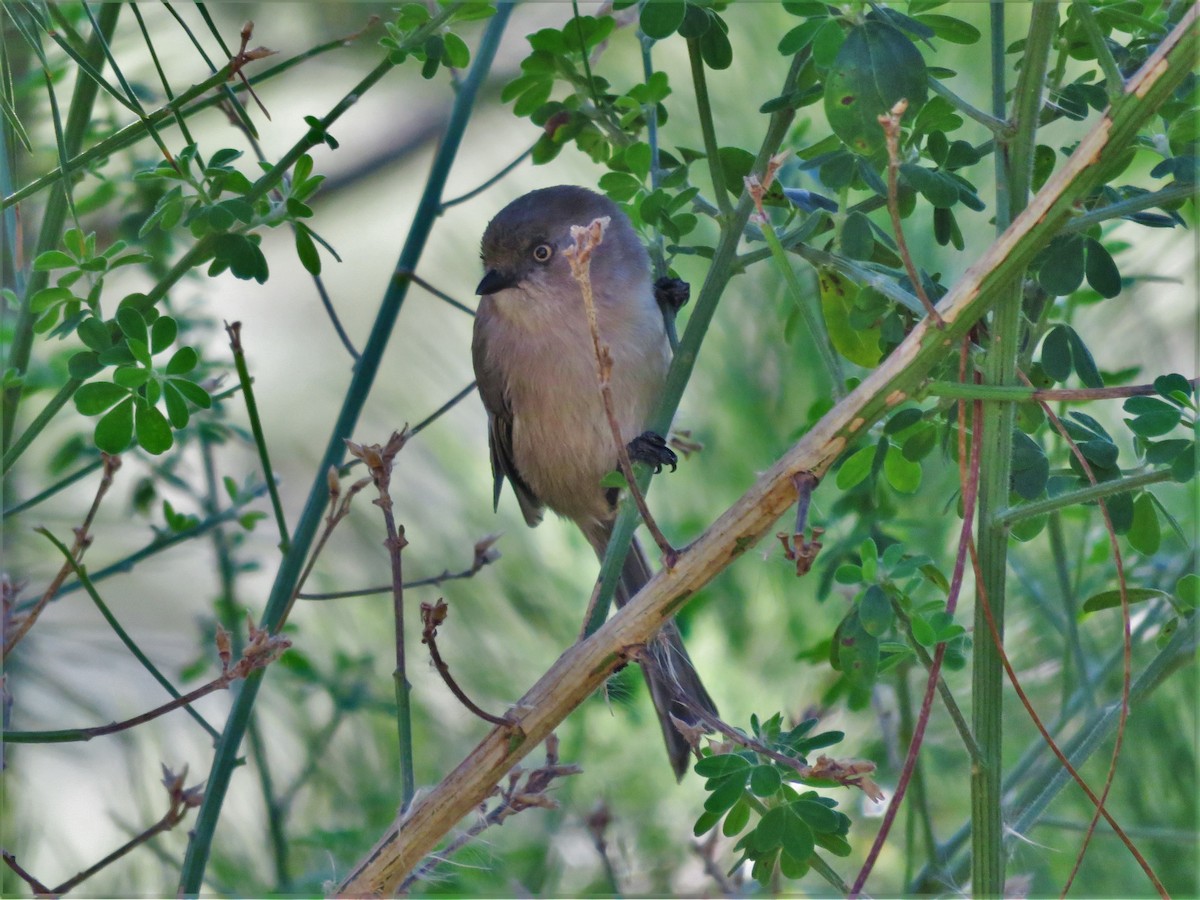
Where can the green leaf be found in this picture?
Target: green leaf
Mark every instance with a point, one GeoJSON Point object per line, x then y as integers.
{"type": "Point", "coordinates": [856, 468]}
{"type": "Point", "coordinates": [948, 28]}
{"type": "Point", "coordinates": [1102, 273]}
{"type": "Point", "coordinates": [1170, 385]}
{"type": "Point", "coordinates": [704, 824]}
{"type": "Point", "coordinates": [114, 432]}
{"type": "Point", "coordinates": [727, 792]}
{"type": "Point", "coordinates": [192, 391]}
{"type": "Point", "coordinates": [820, 818]}
{"type": "Point", "coordinates": [1152, 417]}
{"type": "Point", "coordinates": [696, 21]}
{"type": "Point", "coordinates": [721, 765]}
{"type": "Point", "coordinates": [93, 399]}
{"type": "Point", "coordinates": [454, 51]}
{"type": "Point", "coordinates": [132, 325]}
{"type": "Point", "coordinates": [153, 429]}
{"type": "Point", "coordinates": [764, 780]}
{"type": "Point", "coordinates": [1144, 533]}
{"type": "Point", "coordinates": [52, 259]}
{"type": "Point", "coordinates": [901, 473]}
{"type": "Point", "coordinates": [838, 297]}
{"type": "Point", "coordinates": [1061, 272]}
{"type": "Point", "coordinates": [792, 868]}
{"type": "Point", "coordinates": [923, 633]}
{"type": "Point", "coordinates": [736, 164]}
{"type": "Point", "coordinates": [1030, 467]}
{"type": "Point", "coordinates": [1056, 353]}
{"type": "Point", "coordinates": [856, 238]}
{"type": "Point", "coordinates": [306, 250]}
{"type": "Point", "coordinates": [162, 334]}
{"type": "Point", "coordinates": [661, 18]}
{"type": "Point", "coordinates": [715, 49]}
{"type": "Point", "coordinates": [1187, 591]}
{"type": "Point", "coordinates": [177, 409]}
{"type": "Point", "coordinates": [797, 838]}
{"type": "Point", "coordinates": [876, 66]}
{"type": "Point", "coordinates": [130, 377]}
{"type": "Point", "coordinates": [1112, 599]}
{"type": "Point", "coordinates": [875, 611]}
{"type": "Point", "coordinates": [182, 360]}
{"type": "Point", "coordinates": [736, 819]}
{"type": "Point", "coordinates": [1085, 366]}
{"type": "Point", "coordinates": [84, 365]}
{"type": "Point", "coordinates": [768, 835]}
{"type": "Point", "coordinates": [94, 334]}
{"type": "Point", "coordinates": [857, 651]}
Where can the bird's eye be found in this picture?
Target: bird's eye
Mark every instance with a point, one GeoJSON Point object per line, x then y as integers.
{"type": "Point", "coordinates": [543, 252]}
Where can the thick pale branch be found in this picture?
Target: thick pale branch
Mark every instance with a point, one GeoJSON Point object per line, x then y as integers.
{"type": "Point", "coordinates": [586, 665]}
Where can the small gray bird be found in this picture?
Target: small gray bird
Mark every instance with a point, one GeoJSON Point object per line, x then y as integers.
{"type": "Point", "coordinates": [536, 368]}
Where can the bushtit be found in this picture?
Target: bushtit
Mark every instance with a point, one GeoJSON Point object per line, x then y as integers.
{"type": "Point", "coordinates": [536, 367]}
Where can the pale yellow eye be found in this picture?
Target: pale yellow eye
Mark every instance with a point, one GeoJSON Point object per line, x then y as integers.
{"type": "Point", "coordinates": [543, 252]}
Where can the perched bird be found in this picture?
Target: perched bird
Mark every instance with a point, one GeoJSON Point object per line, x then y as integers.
{"type": "Point", "coordinates": [536, 367]}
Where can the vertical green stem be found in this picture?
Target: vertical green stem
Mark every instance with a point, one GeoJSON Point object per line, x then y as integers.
{"type": "Point", "coordinates": [365, 371]}
{"type": "Point", "coordinates": [78, 118]}
{"type": "Point", "coordinates": [704, 114]}
{"type": "Point", "coordinates": [230, 613]}
{"type": "Point", "coordinates": [987, 827]}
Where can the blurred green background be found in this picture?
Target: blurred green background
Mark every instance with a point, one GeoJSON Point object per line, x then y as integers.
{"type": "Point", "coordinates": [325, 712]}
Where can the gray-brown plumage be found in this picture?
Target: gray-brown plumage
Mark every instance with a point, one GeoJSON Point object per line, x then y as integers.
{"type": "Point", "coordinates": [536, 369]}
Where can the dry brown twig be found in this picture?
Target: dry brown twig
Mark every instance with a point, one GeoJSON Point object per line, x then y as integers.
{"type": "Point", "coordinates": [14, 631]}
{"type": "Point", "coordinates": [796, 546]}
{"type": "Point", "coordinates": [579, 255]}
{"type": "Point", "coordinates": [516, 797]}
{"type": "Point", "coordinates": [181, 799]}
{"type": "Point", "coordinates": [432, 616]}
{"type": "Point", "coordinates": [891, 133]}
{"type": "Point", "coordinates": [483, 554]}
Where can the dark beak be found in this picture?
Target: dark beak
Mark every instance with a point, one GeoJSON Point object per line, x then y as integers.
{"type": "Point", "coordinates": [495, 280]}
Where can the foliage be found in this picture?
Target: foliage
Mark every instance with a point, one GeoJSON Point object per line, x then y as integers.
{"type": "Point", "coordinates": [96, 318]}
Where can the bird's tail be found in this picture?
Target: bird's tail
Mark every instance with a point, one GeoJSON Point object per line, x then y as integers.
{"type": "Point", "coordinates": [675, 686]}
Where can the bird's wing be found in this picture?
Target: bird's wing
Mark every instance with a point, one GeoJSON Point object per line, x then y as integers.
{"type": "Point", "coordinates": [492, 390]}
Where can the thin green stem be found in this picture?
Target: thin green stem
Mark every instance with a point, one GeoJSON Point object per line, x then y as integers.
{"type": "Point", "coordinates": [256, 429]}
{"type": "Point", "coordinates": [365, 371]}
{"type": "Point", "coordinates": [79, 117]}
{"type": "Point", "coordinates": [1015, 172]}
{"type": "Point", "coordinates": [997, 126]}
{"type": "Point", "coordinates": [159, 544]}
{"type": "Point", "coordinates": [918, 810]}
{"type": "Point", "coordinates": [1114, 83]}
{"type": "Point", "coordinates": [121, 633]}
{"type": "Point", "coordinates": [812, 316]}
{"type": "Point", "coordinates": [705, 115]}
{"type": "Point", "coordinates": [1172, 193]}
{"type": "Point", "coordinates": [1007, 516]}
{"type": "Point", "coordinates": [53, 489]}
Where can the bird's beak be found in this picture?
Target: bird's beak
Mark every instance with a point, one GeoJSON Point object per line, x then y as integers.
{"type": "Point", "coordinates": [495, 280]}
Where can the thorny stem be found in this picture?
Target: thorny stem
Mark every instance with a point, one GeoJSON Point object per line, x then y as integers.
{"type": "Point", "coordinates": [579, 254]}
